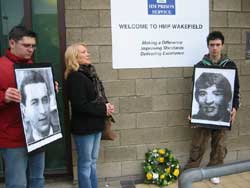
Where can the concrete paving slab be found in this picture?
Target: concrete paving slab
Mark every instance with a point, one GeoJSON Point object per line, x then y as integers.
{"type": "Point", "coordinates": [233, 181]}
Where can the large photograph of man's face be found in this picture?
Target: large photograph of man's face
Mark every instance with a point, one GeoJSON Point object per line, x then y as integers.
{"type": "Point", "coordinates": [212, 96]}
{"type": "Point", "coordinates": [38, 106]}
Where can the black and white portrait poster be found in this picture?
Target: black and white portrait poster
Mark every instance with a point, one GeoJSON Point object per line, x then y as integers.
{"type": "Point", "coordinates": [38, 105]}
{"type": "Point", "coordinates": [213, 91]}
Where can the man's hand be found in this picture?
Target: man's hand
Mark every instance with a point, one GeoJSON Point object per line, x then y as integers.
{"type": "Point", "coordinates": [192, 126]}
{"type": "Point", "coordinates": [233, 115]}
{"type": "Point", "coordinates": [12, 95]}
{"type": "Point", "coordinates": [56, 86]}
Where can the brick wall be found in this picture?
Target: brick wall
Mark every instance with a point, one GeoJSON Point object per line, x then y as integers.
{"type": "Point", "coordinates": [152, 104]}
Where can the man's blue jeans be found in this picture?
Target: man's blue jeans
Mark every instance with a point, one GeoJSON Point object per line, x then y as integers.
{"type": "Point", "coordinates": [87, 147]}
{"type": "Point", "coordinates": [23, 170]}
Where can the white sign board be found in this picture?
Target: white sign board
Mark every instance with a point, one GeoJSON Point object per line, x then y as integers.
{"type": "Point", "coordinates": [158, 33]}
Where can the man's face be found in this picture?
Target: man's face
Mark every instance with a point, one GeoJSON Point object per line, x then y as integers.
{"type": "Point", "coordinates": [23, 48]}
{"type": "Point", "coordinates": [210, 100]}
{"type": "Point", "coordinates": [215, 47]}
{"type": "Point", "coordinates": [37, 109]}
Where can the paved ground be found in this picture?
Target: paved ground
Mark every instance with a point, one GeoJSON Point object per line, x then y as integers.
{"type": "Point", "coordinates": [234, 181]}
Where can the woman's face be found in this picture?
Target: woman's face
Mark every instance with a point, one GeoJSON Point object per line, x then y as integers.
{"type": "Point", "coordinates": [83, 55]}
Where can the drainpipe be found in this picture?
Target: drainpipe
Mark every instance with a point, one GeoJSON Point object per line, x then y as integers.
{"type": "Point", "coordinates": [198, 174]}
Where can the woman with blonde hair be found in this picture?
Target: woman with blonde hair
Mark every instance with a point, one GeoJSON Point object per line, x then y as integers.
{"type": "Point", "coordinates": [89, 107]}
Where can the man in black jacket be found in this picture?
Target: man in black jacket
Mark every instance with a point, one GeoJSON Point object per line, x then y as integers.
{"type": "Point", "coordinates": [215, 43]}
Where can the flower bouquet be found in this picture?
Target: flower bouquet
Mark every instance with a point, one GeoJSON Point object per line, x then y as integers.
{"type": "Point", "coordinates": [160, 167]}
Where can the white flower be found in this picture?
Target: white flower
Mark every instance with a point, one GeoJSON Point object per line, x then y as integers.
{"type": "Point", "coordinates": [155, 176]}
{"type": "Point", "coordinates": [155, 154]}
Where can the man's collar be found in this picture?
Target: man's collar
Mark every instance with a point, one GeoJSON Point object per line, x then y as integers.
{"type": "Point", "coordinates": [15, 58]}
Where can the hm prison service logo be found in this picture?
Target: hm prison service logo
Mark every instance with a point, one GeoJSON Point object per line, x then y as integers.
{"type": "Point", "coordinates": [161, 7]}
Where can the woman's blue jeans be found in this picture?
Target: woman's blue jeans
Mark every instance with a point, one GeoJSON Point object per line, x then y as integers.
{"type": "Point", "coordinates": [87, 147]}
{"type": "Point", "coordinates": [23, 170]}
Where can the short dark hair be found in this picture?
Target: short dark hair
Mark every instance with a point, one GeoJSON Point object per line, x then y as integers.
{"type": "Point", "coordinates": [215, 35]}
{"type": "Point", "coordinates": [207, 79]}
{"type": "Point", "coordinates": [18, 32]}
{"type": "Point", "coordinates": [32, 77]}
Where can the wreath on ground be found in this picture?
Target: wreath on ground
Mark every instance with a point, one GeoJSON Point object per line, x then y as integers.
{"type": "Point", "coordinates": [160, 167]}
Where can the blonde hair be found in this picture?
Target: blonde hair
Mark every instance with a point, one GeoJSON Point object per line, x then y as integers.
{"type": "Point", "coordinates": [71, 62]}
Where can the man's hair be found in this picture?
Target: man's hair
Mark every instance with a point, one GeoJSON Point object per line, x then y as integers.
{"type": "Point", "coordinates": [18, 32]}
{"type": "Point", "coordinates": [209, 79]}
{"type": "Point", "coordinates": [215, 35]}
{"type": "Point", "coordinates": [32, 77]}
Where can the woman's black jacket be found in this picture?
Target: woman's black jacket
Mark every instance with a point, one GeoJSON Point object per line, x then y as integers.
{"type": "Point", "coordinates": [88, 116]}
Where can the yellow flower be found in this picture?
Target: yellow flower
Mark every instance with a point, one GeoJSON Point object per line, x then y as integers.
{"type": "Point", "coordinates": [167, 170]}
{"type": "Point", "coordinates": [161, 159]}
{"type": "Point", "coordinates": [162, 151]}
{"type": "Point", "coordinates": [176, 172]}
{"type": "Point", "coordinates": [162, 176]}
{"type": "Point", "coordinates": [149, 176]}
